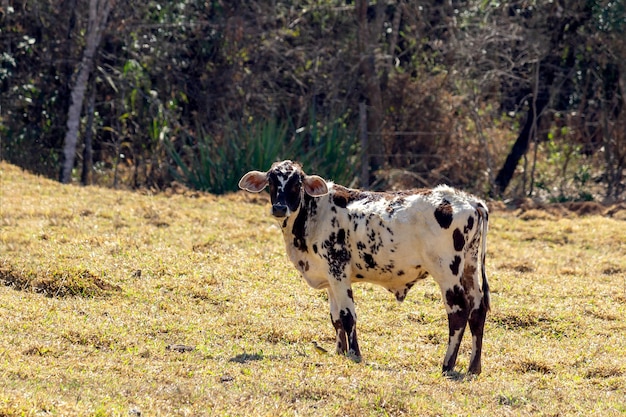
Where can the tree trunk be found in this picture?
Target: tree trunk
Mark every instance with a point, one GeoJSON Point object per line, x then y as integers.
{"type": "Point", "coordinates": [98, 15]}
{"type": "Point", "coordinates": [371, 91]}
{"type": "Point", "coordinates": [86, 176]}
{"type": "Point", "coordinates": [521, 143]}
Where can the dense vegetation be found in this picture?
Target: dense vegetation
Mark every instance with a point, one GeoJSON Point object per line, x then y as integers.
{"type": "Point", "coordinates": [509, 98]}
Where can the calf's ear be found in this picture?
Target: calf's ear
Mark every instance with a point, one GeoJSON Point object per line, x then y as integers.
{"type": "Point", "coordinates": [253, 181]}
{"type": "Point", "coordinates": [315, 186]}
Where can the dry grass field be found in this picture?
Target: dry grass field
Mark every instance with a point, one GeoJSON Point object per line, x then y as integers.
{"type": "Point", "coordinates": [184, 304]}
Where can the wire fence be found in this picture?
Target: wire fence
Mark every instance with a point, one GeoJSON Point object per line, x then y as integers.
{"type": "Point", "coordinates": [366, 155]}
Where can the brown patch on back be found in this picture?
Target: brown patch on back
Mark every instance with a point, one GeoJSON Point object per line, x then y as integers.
{"type": "Point", "coordinates": [422, 191]}
{"type": "Point", "coordinates": [343, 196]}
{"type": "Point", "coordinates": [390, 195]}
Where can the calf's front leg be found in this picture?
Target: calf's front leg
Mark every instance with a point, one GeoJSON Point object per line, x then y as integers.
{"type": "Point", "coordinates": [342, 344]}
{"type": "Point", "coordinates": [343, 317]}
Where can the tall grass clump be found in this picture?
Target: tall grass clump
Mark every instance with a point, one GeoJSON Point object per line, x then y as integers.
{"type": "Point", "coordinates": [216, 164]}
{"type": "Point", "coordinates": [333, 151]}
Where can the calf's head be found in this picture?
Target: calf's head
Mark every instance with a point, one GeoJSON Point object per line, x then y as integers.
{"type": "Point", "coordinates": [287, 183]}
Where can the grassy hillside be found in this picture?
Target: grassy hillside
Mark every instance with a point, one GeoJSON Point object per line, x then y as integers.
{"type": "Point", "coordinates": [117, 303]}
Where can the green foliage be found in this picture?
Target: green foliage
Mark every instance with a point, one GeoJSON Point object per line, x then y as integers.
{"type": "Point", "coordinates": [563, 171]}
{"type": "Point", "coordinates": [609, 15]}
{"type": "Point", "coordinates": [262, 144]}
{"type": "Point", "coordinates": [332, 152]}
{"type": "Point", "coordinates": [212, 164]}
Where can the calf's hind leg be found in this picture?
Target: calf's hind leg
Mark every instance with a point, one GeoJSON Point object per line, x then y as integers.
{"type": "Point", "coordinates": [477, 325]}
{"type": "Point", "coordinates": [457, 307]}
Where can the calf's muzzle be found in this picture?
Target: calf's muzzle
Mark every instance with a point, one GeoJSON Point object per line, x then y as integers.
{"type": "Point", "coordinates": [279, 210]}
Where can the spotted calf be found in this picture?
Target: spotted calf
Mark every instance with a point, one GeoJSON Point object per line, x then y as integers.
{"type": "Point", "coordinates": [336, 236]}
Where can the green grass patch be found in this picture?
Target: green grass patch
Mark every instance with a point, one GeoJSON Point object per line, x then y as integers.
{"type": "Point", "coordinates": [183, 303]}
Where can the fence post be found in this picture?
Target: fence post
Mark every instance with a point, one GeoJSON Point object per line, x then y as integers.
{"type": "Point", "coordinates": [365, 160]}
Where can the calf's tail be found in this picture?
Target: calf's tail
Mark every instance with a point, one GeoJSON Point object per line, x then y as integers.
{"type": "Point", "coordinates": [483, 227]}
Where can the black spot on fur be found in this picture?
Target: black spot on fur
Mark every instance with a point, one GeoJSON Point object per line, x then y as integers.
{"type": "Point", "coordinates": [443, 214]}
{"type": "Point", "coordinates": [401, 294]}
{"type": "Point", "coordinates": [299, 225]}
{"type": "Point", "coordinates": [400, 273]}
{"type": "Point", "coordinates": [360, 276]}
{"type": "Point", "coordinates": [341, 237]}
{"type": "Point", "coordinates": [340, 200]}
{"type": "Point", "coordinates": [459, 240]}
{"type": "Point", "coordinates": [312, 204]}
{"type": "Point", "coordinates": [342, 343]}
{"type": "Point", "coordinates": [314, 248]}
{"type": "Point", "coordinates": [347, 320]}
{"type": "Point", "coordinates": [304, 265]}
{"type": "Point", "coordinates": [369, 261]}
{"type": "Point", "coordinates": [456, 297]}
{"type": "Point", "coordinates": [470, 225]}
{"type": "Point", "coordinates": [350, 295]}
{"type": "Point", "coordinates": [454, 266]}
{"type": "Point", "coordinates": [389, 267]}
{"type": "Point", "coordinates": [337, 255]}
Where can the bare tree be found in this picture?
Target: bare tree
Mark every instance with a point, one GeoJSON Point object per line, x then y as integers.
{"type": "Point", "coordinates": [98, 15]}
